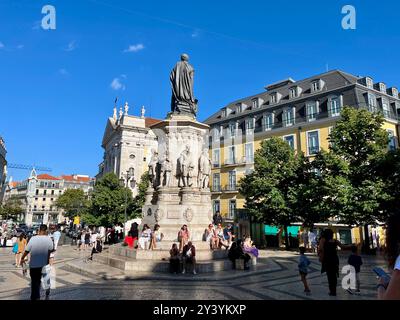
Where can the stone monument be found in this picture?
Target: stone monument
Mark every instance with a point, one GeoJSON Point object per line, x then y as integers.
{"type": "Point", "coordinates": [179, 170]}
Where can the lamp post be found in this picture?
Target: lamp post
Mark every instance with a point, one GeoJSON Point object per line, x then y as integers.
{"type": "Point", "coordinates": [128, 176]}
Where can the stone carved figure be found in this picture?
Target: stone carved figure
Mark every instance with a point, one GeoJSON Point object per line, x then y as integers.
{"type": "Point", "coordinates": [181, 77]}
{"type": "Point", "coordinates": [165, 173]}
{"type": "Point", "coordinates": [153, 167]}
{"type": "Point", "coordinates": [126, 108]}
{"type": "Point", "coordinates": [204, 170]}
{"type": "Point", "coordinates": [185, 168]}
{"type": "Point", "coordinates": [142, 112]}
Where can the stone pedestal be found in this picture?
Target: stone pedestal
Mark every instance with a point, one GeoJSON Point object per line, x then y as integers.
{"type": "Point", "coordinates": [176, 204]}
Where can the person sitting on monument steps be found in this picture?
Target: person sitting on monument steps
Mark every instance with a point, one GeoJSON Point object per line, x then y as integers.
{"type": "Point", "coordinates": [189, 256]}
{"type": "Point", "coordinates": [236, 252]}
{"type": "Point", "coordinates": [134, 233]}
{"type": "Point", "coordinates": [174, 259]}
{"type": "Point", "coordinates": [211, 237]}
{"type": "Point", "coordinates": [145, 237]}
{"type": "Point", "coordinates": [156, 236]}
{"type": "Point", "coordinates": [220, 235]}
{"type": "Point", "coordinates": [183, 236]}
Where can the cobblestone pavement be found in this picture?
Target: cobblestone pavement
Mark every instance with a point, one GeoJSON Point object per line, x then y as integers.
{"type": "Point", "coordinates": [281, 282]}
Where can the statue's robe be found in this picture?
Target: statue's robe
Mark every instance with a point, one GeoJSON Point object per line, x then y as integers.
{"type": "Point", "coordinates": [181, 78]}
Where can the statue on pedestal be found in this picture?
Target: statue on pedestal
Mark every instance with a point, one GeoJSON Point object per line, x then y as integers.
{"type": "Point", "coordinates": [204, 170]}
{"type": "Point", "coordinates": [153, 167]}
{"type": "Point", "coordinates": [185, 168]}
{"type": "Point", "coordinates": [181, 77]}
{"type": "Point", "coordinates": [165, 173]}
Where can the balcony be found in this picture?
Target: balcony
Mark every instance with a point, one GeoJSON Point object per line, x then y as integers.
{"type": "Point", "coordinates": [231, 188]}
{"type": "Point", "coordinates": [216, 188]}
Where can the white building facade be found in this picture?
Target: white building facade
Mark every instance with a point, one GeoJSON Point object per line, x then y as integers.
{"type": "Point", "coordinates": [127, 143]}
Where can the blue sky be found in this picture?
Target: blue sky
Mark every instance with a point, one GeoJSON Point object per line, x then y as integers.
{"type": "Point", "coordinates": [55, 85]}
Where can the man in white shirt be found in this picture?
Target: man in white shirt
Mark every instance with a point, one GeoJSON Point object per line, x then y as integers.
{"type": "Point", "coordinates": [39, 247]}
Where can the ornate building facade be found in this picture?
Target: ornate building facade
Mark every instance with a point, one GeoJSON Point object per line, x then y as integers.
{"type": "Point", "coordinates": [127, 142]}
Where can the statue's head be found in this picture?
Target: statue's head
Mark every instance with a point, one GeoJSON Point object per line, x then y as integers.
{"type": "Point", "coordinates": [184, 57]}
{"type": "Point", "coordinates": [187, 148]}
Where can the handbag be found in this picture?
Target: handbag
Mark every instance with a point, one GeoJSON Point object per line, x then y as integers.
{"type": "Point", "coordinates": [15, 248]}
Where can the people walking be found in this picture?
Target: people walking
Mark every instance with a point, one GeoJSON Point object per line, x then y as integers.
{"type": "Point", "coordinates": [39, 248]}
{"type": "Point", "coordinates": [303, 264]}
{"type": "Point", "coordinates": [20, 244]}
{"type": "Point", "coordinates": [329, 259]}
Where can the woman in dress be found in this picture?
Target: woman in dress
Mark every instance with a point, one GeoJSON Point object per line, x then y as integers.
{"type": "Point", "coordinates": [21, 243]}
{"type": "Point", "coordinates": [183, 237]}
{"type": "Point", "coordinates": [249, 247]}
{"type": "Point", "coordinates": [157, 236]}
{"type": "Point", "coordinates": [145, 237]}
{"type": "Point", "coordinates": [211, 237]}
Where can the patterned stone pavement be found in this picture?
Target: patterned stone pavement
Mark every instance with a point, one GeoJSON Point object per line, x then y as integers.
{"type": "Point", "coordinates": [279, 281]}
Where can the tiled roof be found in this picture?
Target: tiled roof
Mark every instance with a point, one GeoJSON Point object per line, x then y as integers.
{"type": "Point", "coordinates": [76, 178]}
{"type": "Point", "coordinates": [333, 79]}
{"type": "Point", "coordinates": [151, 121]}
{"type": "Point", "coordinates": [46, 176]}
{"type": "Point", "coordinates": [13, 184]}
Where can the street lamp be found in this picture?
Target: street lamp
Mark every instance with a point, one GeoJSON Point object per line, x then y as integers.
{"type": "Point", "coordinates": [128, 176]}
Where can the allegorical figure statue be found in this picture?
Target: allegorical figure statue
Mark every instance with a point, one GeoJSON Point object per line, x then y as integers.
{"type": "Point", "coordinates": [165, 173]}
{"type": "Point", "coordinates": [204, 170]}
{"type": "Point", "coordinates": [181, 77]}
{"type": "Point", "coordinates": [185, 167]}
{"type": "Point", "coordinates": [153, 167]}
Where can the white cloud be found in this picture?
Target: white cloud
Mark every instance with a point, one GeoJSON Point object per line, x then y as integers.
{"type": "Point", "coordinates": [134, 47]}
{"type": "Point", "coordinates": [63, 72]}
{"type": "Point", "coordinates": [117, 84]}
{"type": "Point", "coordinates": [20, 46]}
{"type": "Point", "coordinates": [195, 33]}
{"type": "Point", "coordinates": [71, 46]}
{"type": "Point", "coordinates": [2, 45]}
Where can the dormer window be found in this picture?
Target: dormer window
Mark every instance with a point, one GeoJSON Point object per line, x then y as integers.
{"type": "Point", "coordinates": [382, 87]}
{"type": "Point", "coordinates": [317, 85]}
{"type": "Point", "coordinates": [369, 83]}
{"type": "Point", "coordinates": [223, 113]}
{"type": "Point", "coordinates": [394, 92]}
{"type": "Point", "coordinates": [255, 103]}
{"type": "Point", "coordinates": [239, 108]}
{"type": "Point", "coordinates": [293, 92]}
{"type": "Point", "coordinates": [273, 98]}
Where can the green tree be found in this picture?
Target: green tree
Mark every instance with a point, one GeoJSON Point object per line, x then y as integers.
{"type": "Point", "coordinates": [359, 140]}
{"type": "Point", "coordinates": [270, 189]}
{"type": "Point", "coordinates": [389, 169]}
{"type": "Point", "coordinates": [108, 200]}
{"type": "Point", "coordinates": [12, 208]}
{"type": "Point", "coordinates": [74, 202]}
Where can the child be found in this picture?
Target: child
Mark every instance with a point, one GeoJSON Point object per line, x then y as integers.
{"type": "Point", "coordinates": [303, 269]}
{"type": "Point", "coordinates": [355, 261]}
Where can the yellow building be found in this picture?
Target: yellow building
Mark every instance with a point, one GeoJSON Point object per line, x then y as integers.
{"type": "Point", "coordinates": [301, 112]}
